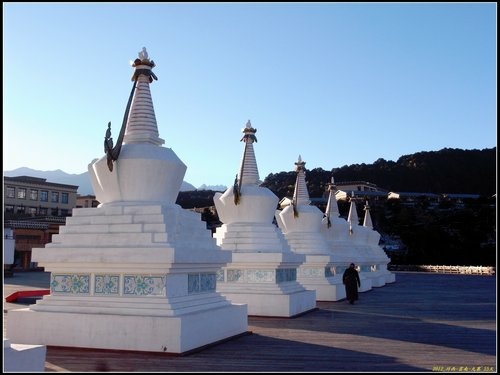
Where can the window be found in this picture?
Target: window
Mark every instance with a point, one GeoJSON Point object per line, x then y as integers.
{"type": "Point", "coordinates": [44, 195]}
{"type": "Point", "coordinates": [55, 197]}
{"type": "Point", "coordinates": [64, 212]}
{"type": "Point", "coordinates": [42, 211]}
{"type": "Point", "coordinates": [54, 211]}
{"type": "Point", "coordinates": [9, 208]}
{"type": "Point", "coordinates": [11, 192]}
{"type": "Point", "coordinates": [21, 193]}
{"type": "Point", "coordinates": [64, 198]}
{"type": "Point", "coordinates": [21, 209]}
{"type": "Point", "coordinates": [34, 195]}
{"type": "Point", "coordinates": [32, 210]}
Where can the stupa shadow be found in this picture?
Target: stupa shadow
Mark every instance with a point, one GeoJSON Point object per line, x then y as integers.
{"type": "Point", "coordinates": [409, 312]}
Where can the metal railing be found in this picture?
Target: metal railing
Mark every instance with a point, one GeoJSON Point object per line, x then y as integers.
{"type": "Point", "coordinates": [464, 270]}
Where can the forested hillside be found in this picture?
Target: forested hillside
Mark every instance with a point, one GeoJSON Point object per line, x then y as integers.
{"type": "Point", "coordinates": [445, 171]}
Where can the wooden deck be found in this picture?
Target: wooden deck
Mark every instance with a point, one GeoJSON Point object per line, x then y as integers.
{"type": "Point", "coordinates": [422, 322]}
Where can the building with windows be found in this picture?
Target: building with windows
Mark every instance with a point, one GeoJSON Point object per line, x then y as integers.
{"type": "Point", "coordinates": [33, 211]}
{"type": "Point", "coordinates": [358, 186]}
{"type": "Point", "coordinates": [34, 196]}
{"type": "Point", "coordinates": [360, 195]}
{"type": "Point", "coordinates": [86, 201]}
{"type": "Point", "coordinates": [411, 199]}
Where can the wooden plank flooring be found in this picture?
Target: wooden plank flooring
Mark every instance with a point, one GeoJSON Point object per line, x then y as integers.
{"type": "Point", "coordinates": [422, 322]}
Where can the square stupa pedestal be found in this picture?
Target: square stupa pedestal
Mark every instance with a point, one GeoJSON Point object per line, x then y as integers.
{"type": "Point", "coordinates": [131, 277]}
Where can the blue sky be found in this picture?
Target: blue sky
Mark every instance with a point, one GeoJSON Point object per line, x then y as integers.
{"type": "Point", "coordinates": [337, 83]}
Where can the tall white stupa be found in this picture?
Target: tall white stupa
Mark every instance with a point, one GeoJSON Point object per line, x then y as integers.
{"type": "Point", "coordinates": [301, 224]}
{"type": "Point", "coordinates": [263, 271]}
{"type": "Point", "coordinates": [137, 272]}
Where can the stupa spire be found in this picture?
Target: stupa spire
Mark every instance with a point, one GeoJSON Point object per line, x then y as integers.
{"type": "Point", "coordinates": [249, 173]}
{"type": "Point", "coordinates": [332, 208]}
{"type": "Point", "coordinates": [353, 218]}
{"type": "Point", "coordinates": [300, 195]}
{"type": "Point", "coordinates": [368, 219]}
{"type": "Point", "coordinates": [141, 123]}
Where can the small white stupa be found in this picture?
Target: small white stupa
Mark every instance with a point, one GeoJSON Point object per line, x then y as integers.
{"type": "Point", "coordinates": [137, 272]}
{"type": "Point", "coordinates": [263, 271]}
{"type": "Point", "coordinates": [357, 243]}
{"type": "Point", "coordinates": [336, 232]}
{"type": "Point", "coordinates": [301, 224]}
{"type": "Point", "coordinates": [378, 258]}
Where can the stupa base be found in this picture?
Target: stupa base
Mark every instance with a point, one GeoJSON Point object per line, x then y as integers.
{"type": "Point", "coordinates": [377, 279]}
{"type": "Point", "coordinates": [166, 334]}
{"type": "Point", "coordinates": [324, 290]}
{"type": "Point", "coordinates": [390, 277]}
{"type": "Point", "coordinates": [273, 304]}
{"type": "Point", "coordinates": [366, 283]}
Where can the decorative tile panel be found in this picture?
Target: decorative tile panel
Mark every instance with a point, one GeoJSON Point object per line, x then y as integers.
{"type": "Point", "coordinates": [144, 285]}
{"type": "Point", "coordinates": [207, 282]}
{"type": "Point", "coordinates": [106, 284]}
{"type": "Point", "coordinates": [201, 282]}
{"type": "Point", "coordinates": [312, 272]}
{"type": "Point", "coordinates": [235, 275]}
{"type": "Point", "coordinates": [220, 275]}
{"type": "Point", "coordinates": [260, 276]}
{"type": "Point", "coordinates": [70, 283]}
{"type": "Point", "coordinates": [340, 269]}
{"type": "Point", "coordinates": [286, 274]}
{"type": "Point", "coordinates": [329, 272]}
{"type": "Point", "coordinates": [365, 268]}
{"type": "Point", "coordinates": [193, 283]}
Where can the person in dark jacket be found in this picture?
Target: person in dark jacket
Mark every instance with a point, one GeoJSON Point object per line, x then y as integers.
{"type": "Point", "coordinates": [350, 278]}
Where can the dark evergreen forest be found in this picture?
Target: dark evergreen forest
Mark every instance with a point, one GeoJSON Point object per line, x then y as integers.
{"type": "Point", "coordinates": [445, 171]}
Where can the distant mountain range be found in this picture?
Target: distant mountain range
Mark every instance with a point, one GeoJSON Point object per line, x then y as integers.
{"type": "Point", "coordinates": [82, 180]}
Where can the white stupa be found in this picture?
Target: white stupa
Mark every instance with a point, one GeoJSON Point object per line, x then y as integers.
{"type": "Point", "coordinates": [301, 224]}
{"type": "Point", "coordinates": [378, 258]}
{"type": "Point", "coordinates": [357, 243]}
{"type": "Point", "coordinates": [263, 271]}
{"type": "Point", "coordinates": [138, 272]}
{"type": "Point", "coordinates": [336, 232]}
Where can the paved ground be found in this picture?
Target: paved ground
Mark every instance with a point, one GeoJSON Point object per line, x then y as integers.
{"type": "Point", "coordinates": [422, 322]}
